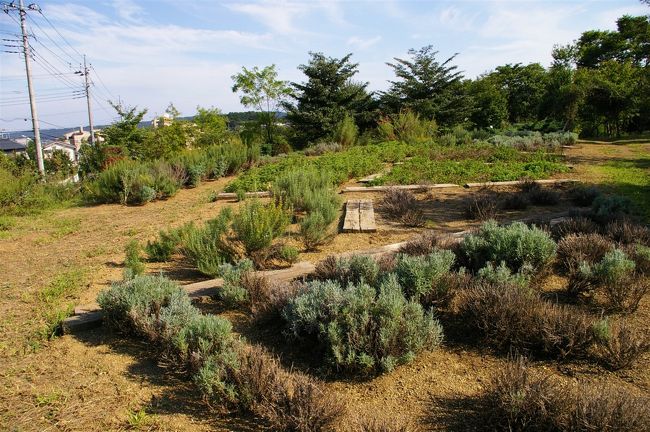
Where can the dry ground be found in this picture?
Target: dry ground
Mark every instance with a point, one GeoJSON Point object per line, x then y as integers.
{"type": "Point", "coordinates": [101, 381]}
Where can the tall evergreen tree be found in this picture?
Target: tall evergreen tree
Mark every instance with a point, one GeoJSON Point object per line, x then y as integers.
{"type": "Point", "coordinates": [322, 102]}
{"type": "Point", "coordinates": [432, 89]}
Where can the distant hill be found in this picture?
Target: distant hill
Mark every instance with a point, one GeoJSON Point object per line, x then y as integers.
{"type": "Point", "coordinates": [234, 120]}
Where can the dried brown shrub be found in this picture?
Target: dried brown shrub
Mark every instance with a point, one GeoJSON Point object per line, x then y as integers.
{"type": "Point", "coordinates": [482, 206]}
{"type": "Point", "coordinates": [622, 346]}
{"type": "Point", "coordinates": [397, 202]}
{"type": "Point", "coordinates": [543, 196]}
{"type": "Point", "coordinates": [519, 400]}
{"type": "Point", "coordinates": [327, 269]}
{"type": "Point", "coordinates": [574, 225]}
{"type": "Point", "coordinates": [422, 244]}
{"type": "Point", "coordinates": [288, 401]}
{"type": "Point", "coordinates": [267, 299]}
{"type": "Point", "coordinates": [413, 217]}
{"type": "Point", "coordinates": [576, 248]}
{"type": "Point", "coordinates": [511, 317]}
{"type": "Point", "coordinates": [625, 295]}
{"type": "Point", "coordinates": [607, 408]}
{"type": "Point", "coordinates": [564, 331]}
{"type": "Point", "coordinates": [628, 232]}
{"type": "Point", "coordinates": [380, 423]}
{"type": "Point", "coordinates": [515, 201]}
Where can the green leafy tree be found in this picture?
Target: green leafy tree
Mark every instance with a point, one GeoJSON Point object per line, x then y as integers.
{"type": "Point", "coordinates": [212, 126]}
{"type": "Point", "coordinates": [322, 102]}
{"type": "Point", "coordinates": [489, 105]}
{"type": "Point", "coordinates": [172, 111]}
{"type": "Point", "coordinates": [431, 89]}
{"type": "Point", "coordinates": [261, 89]}
{"type": "Point", "coordinates": [59, 163]}
{"type": "Point", "coordinates": [165, 141]}
{"type": "Point", "coordinates": [524, 88]}
{"type": "Point", "coordinates": [125, 133]}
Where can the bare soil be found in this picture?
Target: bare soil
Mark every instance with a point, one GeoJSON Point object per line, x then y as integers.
{"type": "Point", "coordinates": [97, 380]}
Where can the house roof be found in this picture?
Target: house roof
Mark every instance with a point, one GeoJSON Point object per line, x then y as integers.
{"type": "Point", "coordinates": [11, 145]}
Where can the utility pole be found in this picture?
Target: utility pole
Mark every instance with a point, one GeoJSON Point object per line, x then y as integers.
{"type": "Point", "coordinates": [85, 73]}
{"type": "Point", "coordinates": [28, 69]}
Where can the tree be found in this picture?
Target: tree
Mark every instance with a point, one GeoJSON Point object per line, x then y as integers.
{"type": "Point", "coordinates": [172, 111]}
{"type": "Point", "coordinates": [261, 89]}
{"type": "Point", "coordinates": [322, 102]}
{"type": "Point", "coordinates": [523, 88]}
{"type": "Point", "coordinates": [125, 133]}
{"type": "Point", "coordinates": [489, 105]}
{"type": "Point", "coordinates": [212, 126]}
{"type": "Point", "coordinates": [431, 89]}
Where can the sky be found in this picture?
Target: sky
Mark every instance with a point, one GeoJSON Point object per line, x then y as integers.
{"type": "Point", "coordinates": [148, 53]}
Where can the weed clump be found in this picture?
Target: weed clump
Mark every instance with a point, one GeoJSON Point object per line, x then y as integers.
{"type": "Point", "coordinates": [482, 206]}
{"type": "Point", "coordinates": [402, 205]}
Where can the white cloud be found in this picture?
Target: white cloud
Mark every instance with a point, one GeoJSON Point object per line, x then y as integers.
{"type": "Point", "coordinates": [361, 43]}
{"type": "Point", "coordinates": [278, 16]}
{"type": "Point", "coordinates": [128, 11]}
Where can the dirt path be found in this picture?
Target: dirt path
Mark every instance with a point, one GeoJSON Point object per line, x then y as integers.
{"type": "Point", "coordinates": [99, 381]}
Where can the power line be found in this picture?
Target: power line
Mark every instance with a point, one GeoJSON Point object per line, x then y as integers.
{"type": "Point", "coordinates": [109, 93]}
{"type": "Point", "coordinates": [52, 40]}
{"type": "Point", "coordinates": [59, 33]}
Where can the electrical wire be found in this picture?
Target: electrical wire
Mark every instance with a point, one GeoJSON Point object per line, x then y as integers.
{"type": "Point", "coordinates": [52, 40]}
{"type": "Point", "coordinates": [59, 33]}
{"type": "Point", "coordinates": [109, 93]}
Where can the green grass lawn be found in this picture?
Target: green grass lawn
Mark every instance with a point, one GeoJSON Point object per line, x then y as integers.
{"type": "Point", "coordinates": [629, 177]}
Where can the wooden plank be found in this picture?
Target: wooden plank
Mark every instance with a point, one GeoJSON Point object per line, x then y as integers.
{"type": "Point", "coordinates": [370, 178]}
{"type": "Point", "coordinates": [232, 195]}
{"type": "Point", "coordinates": [352, 189]}
{"type": "Point", "coordinates": [517, 182]}
{"type": "Point", "coordinates": [351, 220]}
{"type": "Point", "coordinates": [367, 216]}
{"type": "Point", "coordinates": [82, 322]}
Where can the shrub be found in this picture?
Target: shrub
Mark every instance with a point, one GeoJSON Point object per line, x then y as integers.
{"type": "Point", "coordinates": [542, 196]}
{"type": "Point", "coordinates": [297, 186]}
{"type": "Point", "coordinates": [518, 400]}
{"type": "Point", "coordinates": [425, 243]}
{"type": "Point", "coordinates": [360, 328]}
{"type": "Point", "coordinates": [398, 202]}
{"type": "Point", "coordinates": [351, 270]}
{"type": "Point", "coordinates": [208, 247]}
{"type": "Point", "coordinates": [321, 148]}
{"type": "Point", "coordinates": [277, 255]}
{"type": "Point", "coordinates": [515, 201]}
{"type": "Point", "coordinates": [167, 243]}
{"type": "Point", "coordinates": [346, 131]}
{"type": "Point", "coordinates": [133, 265]}
{"type": "Point", "coordinates": [641, 256]}
{"type": "Point", "coordinates": [267, 300]}
{"type": "Point", "coordinates": [574, 249]}
{"type": "Point", "coordinates": [481, 206]}
{"type": "Point", "coordinates": [130, 305]}
{"type": "Point", "coordinates": [503, 275]}
{"type": "Point", "coordinates": [614, 267]}
{"type": "Point", "coordinates": [406, 126]}
{"type": "Point", "coordinates": [419, 275]}
{"type": "Point", "coordinates": [314, 231]}
{"type": "Point", "coordinates": [607, 208]}
{"type": "Point", "coordinates": [515, 245]}
{"type": "Point", "coordinates": [608, 408]}
{"type": "Point", "coordinates": [574, 225]}
{"type": "Point", "coordinates": [289, 402]}
{"type": "Point", "coordinates": [627, 232]}
{"type": "Point", "coordinates": [584, 196]}
{"type": "Point", "coordinates": [233, 293]}
{"type": "Point", "coordinates": [620, 345]}
{"type": "Point", "coordinates": [509, 317]}
{"type": "Point", "coordinates": [257, 225]}
{"type": "Point", "coordinates": [625, 294]}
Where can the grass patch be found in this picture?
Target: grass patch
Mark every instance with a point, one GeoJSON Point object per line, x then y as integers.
{"type": "Point", "coordinates": [628, 177]}
{"type": "Point", "coordinates": [55, 302]}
